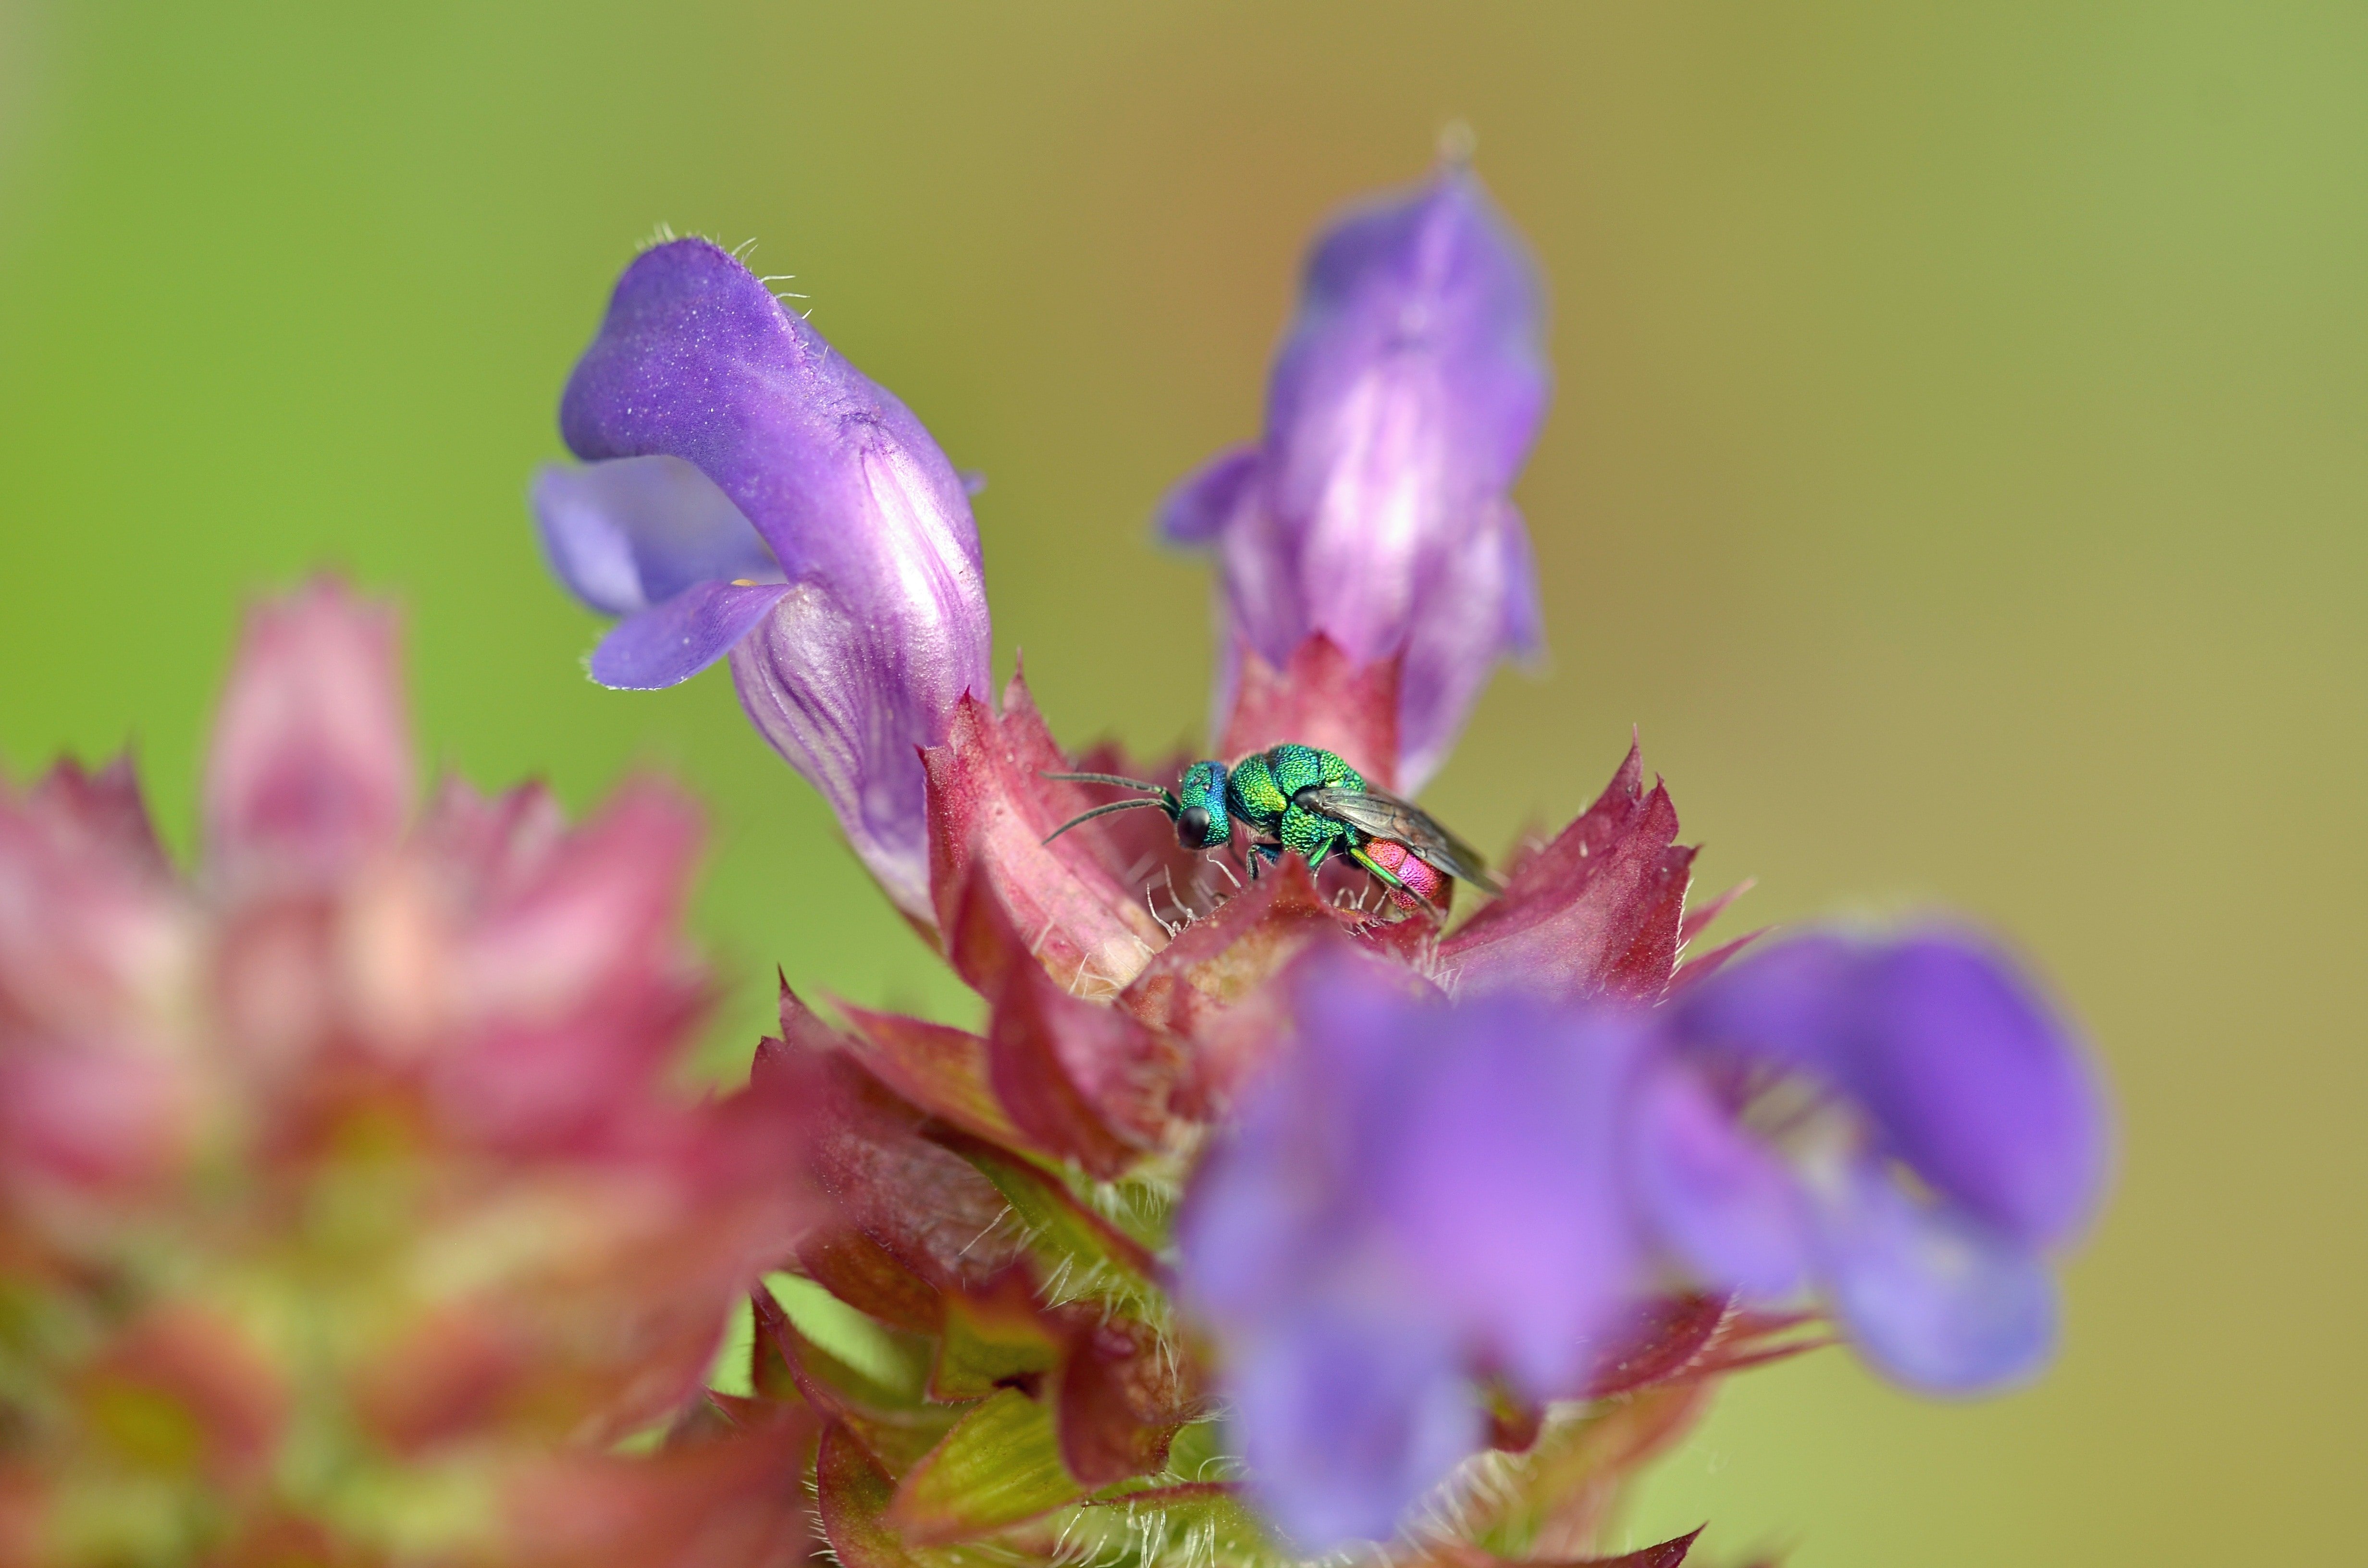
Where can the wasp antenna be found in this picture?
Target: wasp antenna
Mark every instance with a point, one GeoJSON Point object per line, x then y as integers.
{"type": "Point", "coordinates": [1102, 811]}
{"type": "Point", "coordinates": [1146, 787]}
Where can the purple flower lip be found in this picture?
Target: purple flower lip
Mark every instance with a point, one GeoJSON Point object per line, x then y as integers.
{"type": "Point", "coordinates": [652, 540]}
{"type": "Point", "coordinates": [748, 491]}
{"type": "Point", "coordinates": [1375, 508]}
{"type": "Point", "coordinates": [1943, 1129]}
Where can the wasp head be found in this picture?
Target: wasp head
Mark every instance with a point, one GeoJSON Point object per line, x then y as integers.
{"type": "Point", "coordinates": [1201, 820]}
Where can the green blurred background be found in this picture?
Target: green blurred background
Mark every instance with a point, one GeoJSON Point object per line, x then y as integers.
{"type": "Point", "coordinates": [1958, 473]}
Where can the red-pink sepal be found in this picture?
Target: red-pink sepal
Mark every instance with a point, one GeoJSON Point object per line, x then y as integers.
{"type": "Point", "coordinates": [1695, 966]}
{"type": "Point", "coordinates": [924, 1207]}
{"type": "Point", "coordinates": [577, 969]}
{"type": "Point", "coordinates": [1213, 984]}
{"type": "Point", "coordinates": [193, 1366]}
{"type": "Point", "coordinates": [1596, 912]}
{"type": "Point", "coordinates": [1121, 1397]}
{"type": "Point", "coordinates": [608, 1323]}
{"type": "Point", "coordinates": [723, 1493]}
{"type": "Point", "coordinates": [943, 1070]}
{"type": "Point", "coordinates": [101, 811]}
{"type": "Point", "coordinates": [98, 948]}
{"type": "Point", "coordinates": [1320, 697]}
{"type": "Point", "coordinates": [1084, 1080]}
{"type": "Point", "coordinates": [1671, 1553]}
{"type": "Point", "coordinates": [990, 811]}
{"type": "Point", "coordinates": [1691, 1337]}
{"type": "Point", "coordinates": [310, 770]}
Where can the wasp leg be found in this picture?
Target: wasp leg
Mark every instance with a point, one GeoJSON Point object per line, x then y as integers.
{"type": "Point", "coordinates": [1367, 861]}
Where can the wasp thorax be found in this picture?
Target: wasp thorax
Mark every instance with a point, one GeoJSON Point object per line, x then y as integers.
{"type": "Point", "coordinates": [1192, 827]}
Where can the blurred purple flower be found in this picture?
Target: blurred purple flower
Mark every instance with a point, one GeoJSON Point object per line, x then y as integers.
{"type": "Point", "coordinates": [1373, 510]}
{"type": "Point", "coordinates": [1904, 1125]}
{"type": "Point", "coordinates": [1418, 1189]}
{"type": "Point", "coordinates": [748, 491]}
{"type": "Point", "coordinates": [1421, 1191]}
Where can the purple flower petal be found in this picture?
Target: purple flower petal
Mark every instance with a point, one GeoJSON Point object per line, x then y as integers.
{"type": "Point", "coordinates": [1266, 1206]}
{"type": "Point", "coordinates": [1967, 1077]}
{"type": "Point", "coordinates": [1347, 1413]}
{"type": "Point", "coordinates": [1402, 405]}
{"type": "Point", "coordinates": [1484, 605]}
{"type": "Point", "coordinates": [670, 642]}
{"type": "Point", "coordinates": [816, 683]}
{"type": "Point", "coordinates": [1414, 1189]}
{"type": "Point", "coordinates": [888, 627]}
{"type": "Point", "coordinates": [1789, 1003]}
{"type": "Point", "coordinates": [629, 533]}
{"type": "Point", "coordinates": [1978, 1086]}
{"type": "Point", "coordinates": [1285, 1192]}
{"type": "Point", "coordinates": [1717, 1196]}
{"type": "Point", "coordinates": [1497, 1175]}
{"type": "Point", "coordinates": [1198, 510]}
{"type": "Point", "coordinates": [1928, 1056]}
{"type": "Point", "coordinates": [1931, 1295]}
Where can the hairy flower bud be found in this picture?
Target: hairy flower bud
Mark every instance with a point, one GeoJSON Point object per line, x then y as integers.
{"type": "Point", "coordinates": [749, 492]}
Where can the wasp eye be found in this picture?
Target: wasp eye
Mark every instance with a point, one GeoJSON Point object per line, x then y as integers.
{"type": "Point", "coordinates": [1192, 827]}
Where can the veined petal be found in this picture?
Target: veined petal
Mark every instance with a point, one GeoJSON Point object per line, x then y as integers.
{"type": "Point", "coordinates": [669, 642]}
{"type": "Point", "coordinates": [696, 361]}
{"type": "Point", "coordinates": [811, 681]}
{"type": "Point", "coordinates": [1931, 1294]}
{"type": "Point", "coordinates": [631, 532]}
{"type": "Point", "coordinates": [1404, 400]}
{"type": "Point", "coordinates": [1482, 607]}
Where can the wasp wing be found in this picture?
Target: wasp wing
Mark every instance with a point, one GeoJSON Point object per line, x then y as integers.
{"type": "Point", "coordinates": [1383, 815]}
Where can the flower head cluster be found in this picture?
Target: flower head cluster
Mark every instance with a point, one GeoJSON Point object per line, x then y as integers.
{"type": "Point", "coordinates": [344, 1215]}
{"type": "Point", "coordinates": [1258, 1210]}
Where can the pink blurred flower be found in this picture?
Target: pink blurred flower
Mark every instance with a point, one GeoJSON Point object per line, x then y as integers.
{"type": "Point", "coordinates": [346, 1170]}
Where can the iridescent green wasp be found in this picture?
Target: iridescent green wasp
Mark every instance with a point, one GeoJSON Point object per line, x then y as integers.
{"type": "Point", "coordinates": [1296, 797]}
